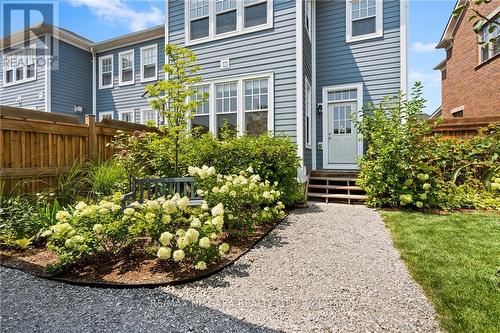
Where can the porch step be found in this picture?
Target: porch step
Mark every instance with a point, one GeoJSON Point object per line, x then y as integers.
{"type": "Point", "coordinates": [334, 186]}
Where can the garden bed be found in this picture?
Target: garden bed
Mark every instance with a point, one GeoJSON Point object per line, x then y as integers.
{"type": "Point", "coordinates": [129, 268]}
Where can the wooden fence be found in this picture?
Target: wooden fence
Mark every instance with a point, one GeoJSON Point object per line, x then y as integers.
{"type": "Point", "coordinates": [464, 127]}
{"type": "Point", "coordinates": [36, 146]}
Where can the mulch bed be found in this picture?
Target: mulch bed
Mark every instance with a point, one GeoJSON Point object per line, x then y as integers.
{"type": "Point", "coordinates": [130, 268]}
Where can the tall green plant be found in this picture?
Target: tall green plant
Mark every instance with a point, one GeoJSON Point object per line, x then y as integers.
{"type": "Point", "coordinates": [173, 96]}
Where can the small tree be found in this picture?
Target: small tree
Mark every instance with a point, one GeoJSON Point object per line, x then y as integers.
{"type": "Point", "coordinates": [173, 96]}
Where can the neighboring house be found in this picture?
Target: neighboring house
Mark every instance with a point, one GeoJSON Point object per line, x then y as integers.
{"type": "Point", "coordinates": [106, 78]}
{"type": "Point", "coordinates": [470, 74]}
{"type": "Point", "coordinates": [293, 67]}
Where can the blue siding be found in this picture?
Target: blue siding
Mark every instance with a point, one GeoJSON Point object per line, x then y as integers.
{"type": "Point", "coordinates": [125, 98]}
{"type": "Point", "coordinates": [31, 91]}
{"type": "Point", "coordinates": [72, 81]}
{"type": "Point", "coordinates": [374, 62]}
{"type": "Point", "coordinates": [263, 51]}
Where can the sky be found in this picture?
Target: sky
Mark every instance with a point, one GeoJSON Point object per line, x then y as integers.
{"type": "Point", "coordinates": [99, 20]}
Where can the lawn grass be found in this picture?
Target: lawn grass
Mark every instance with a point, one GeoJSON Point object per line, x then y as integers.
{"type": "Point", "coordinates": [456, 259]}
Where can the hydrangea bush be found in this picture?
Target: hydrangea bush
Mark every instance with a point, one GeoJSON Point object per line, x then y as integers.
{"type": "Point", "coordinates": [248, 199]}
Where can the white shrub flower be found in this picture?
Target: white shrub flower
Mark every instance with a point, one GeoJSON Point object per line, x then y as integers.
{"type": "Point", "coordinates": [150, 217]}
{"type": "Point", "coordinates": [182, 242]}
{"type": "Point", "coordinates": [164, 253]}
{"type": "Point", "coordinates": [218, 222]}
{"type": "Point", "coordinates": [201, 265]}
{"type": "Point", "coordinates": [63, 216]}
{"type": "Point", "coordinates": [179, 255]}
{"type": "Point", "coordinates": [196, 223]}
{"type": "Point", "coordinates": [215, 189]}
{"type": "Point", "coordinates": [213, 236]}
{"type": "Point", "coordinates": [204, 206]}
{"type": "Point", "coordinates": [183, 203]}
{"type": "Point", "coordinates": [180, 232]}
{"type": "Point", "coordinates": [46, 233]}
{"type": "Point", "coordinates": [204, 243]}
{"type": "Point", "coordinates": [223, 248]}
{"type": "Point", "coordinates": [250, 169]}
{"type": "Point", "coordinates": [169, 207]}
{"type": "Point", "coordinates": [97, 228]}
{"type": "Point", "coordinates": [166, 238]}
{"type": "Point", "coordinates": [166, 219]}
{"type": "Point", "coordinates": [80, 206]}
{"type": "Point", "coordinates": [211, 171]}
{"type": "Point", "coordinates": [218, 210]}
{"type": "Point", "coordinates": [192, 171]}
{"type": "Point", "coordinates": [224, 188]}
{"type": "Point", "coordinates": [192, 235]}
{"type": "Point", "coordinates": [128, 212]}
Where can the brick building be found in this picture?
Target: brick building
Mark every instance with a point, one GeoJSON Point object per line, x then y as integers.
{"type": "Point", "coordinates": [470, 74]}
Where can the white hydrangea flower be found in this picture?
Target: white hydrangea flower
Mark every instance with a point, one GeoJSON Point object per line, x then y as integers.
{"type": "Point", "coordinates": [192, 171]}
{"type": "Point", "coordinates": [201, 265]}
{"type": "Point", "coordinates": [192, 235]}
{"type": "Point", "coordinates": [180, 232]}
{"type": "Point", "coordinates": [179, 255]}
{"type": "Point", "coordinates": [63, 216]}
{"type": "Point", "coordinates": [166, 238]}
{"type": "Point", "coordinates": [223, 248]}
{"type": "Point", "coordinates": [200, 193]}
{"type": "Point", "coordinates": [218, 222]}
{"type": "Point", "coordinates": [204, 206]}
{"type": "Point", "coordinates": [204, 243]}
{"type": "Point", "coordinates": [215, 189]}
{"type": "Point", "coordinates": [80, 206]}
{"type": "Point", "coordinates": [182, 242]}
{"type": "Point", "coordinates": [97, 228]}
{"type": "Point", "coordinates": [196, 223]}
{"type": "Point", "coordinates": [183, 203]}
{"type": "Point", "coordinates": [218, 209]}
{"type": "Point", "coordinates": [169, 207]}
{"type": "Point", "coordinates": [136, 204]}
{"type": "Point", "coordinates": [46, 233]}
{"type": "Point", "coordinates": [150, 217]}
{"type": "Point", "coordinates": [224, 188]}
{"type": "Point", "coordinates": [211, 171]}
{"type": "Point", "coordinates": [213, 236]}
{"type": "Point", "coordinates": [164, 253]}
{"type": "Point", "coordinates": [128, 211]}
{"type": "Point", "coordinates": [250, 169]}
{"type": "Point", "coordinates": [166, 219]}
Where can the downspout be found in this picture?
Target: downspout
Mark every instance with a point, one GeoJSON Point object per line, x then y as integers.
{"type": "Point", "coordinates": [94, 102]}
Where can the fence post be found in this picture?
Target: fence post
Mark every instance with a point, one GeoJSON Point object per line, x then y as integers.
{"type": "Point", "coordinates": [92, 148]}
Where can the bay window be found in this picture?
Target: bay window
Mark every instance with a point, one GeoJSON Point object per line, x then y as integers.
{"type": "Point", "coordinates": [106, 72]}
{"type": "Point", "coordinates": [364, 19]}
{"type": "Point", "coordinates": [149, 63]}
{"type": "Point", "coordinates": [213, 19]}
{"type": "Point", "coordinates": [126, 67]}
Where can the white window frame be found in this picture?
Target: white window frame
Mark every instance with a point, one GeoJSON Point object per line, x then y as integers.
{"type": "Point", "coordinates": [25, 68]}
{"type": "Point", "coordinates": [143, 121]}
{"type": "Point", "coordinates": [379, 29]}
{"type": "Point", "coordinates": [359, 105]}
{"type": "Point", "coordinates": [240, 105]}
{"type": "Point", "coordinates": [155, 46]}
{"type": "Point", "coordinates": [240, 29]}
{"type": "Point", "coordinates": [120, 68]}
{"type": "Point", "coordinates": [102, 114]}
{"type": "Point", "coordinates": [101, 60]}
{"type": "Point", "coordinates": [308, 111]}
{"type": "Point", "coordinates": [308, 15]}
{"type": "Point", "coordinates": [131, 112]}
{"type": "Point", "coordinates": [489, 46]}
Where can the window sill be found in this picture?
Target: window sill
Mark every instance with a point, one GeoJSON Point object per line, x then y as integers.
{"type": "Point", "coordinates": [105, 87]}
{"type": "Point", "coordinates": [149, 80]}
{"type": "Point", "coordinates": [18, 82]}
{"type": "Point", "coordinates": [350, 39]}
{"type": "Point", "coordinates": [487, 61]}
{"type": "Point", "coordinates": [262, 27]}
{"type": "Point", "coordinates": [123, 84]}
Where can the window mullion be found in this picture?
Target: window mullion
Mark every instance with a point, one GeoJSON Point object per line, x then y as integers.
{"type": "Point", "coordinates": [239, 16]}
{"type": "Point", "coordinates": [240, 118]}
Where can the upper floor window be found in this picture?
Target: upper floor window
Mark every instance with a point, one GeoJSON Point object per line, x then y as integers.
{"type": "Point", "coordinates": [213, 19]}
{"type": "Point", "coordinates": [126, 67]}
{"type": "Point", "coordinates": [106, 71]}
{"type": "Point", "coordinates": [149, 62]}
{"type": "Point", "coordinates": [307, 16]}
{"type": "Point", "coordinates": [363, 19]}
{"type": "Point", "coordinates": [19, 66]}
{"type": "Point", "coordinates": [490, 41]}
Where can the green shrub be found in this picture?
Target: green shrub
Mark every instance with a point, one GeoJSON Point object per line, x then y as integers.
{"type": "Point", "coordinates": [106, 178]}
{"type": "Point", "coordinates": [406, 166]}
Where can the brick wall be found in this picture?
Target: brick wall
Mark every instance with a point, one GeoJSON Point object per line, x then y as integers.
{"type": "Point", "coordinates": [466, 82]}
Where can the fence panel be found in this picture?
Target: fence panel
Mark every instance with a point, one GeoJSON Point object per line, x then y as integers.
{"type": "Point", "coordinates": [35, 146]}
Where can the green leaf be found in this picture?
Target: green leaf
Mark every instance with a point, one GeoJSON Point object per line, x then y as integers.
{"type": "Point", "coordinates": [458, 11]}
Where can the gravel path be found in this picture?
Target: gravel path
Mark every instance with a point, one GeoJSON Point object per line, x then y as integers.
{"type": "Point", "coordinates": [329, 268]}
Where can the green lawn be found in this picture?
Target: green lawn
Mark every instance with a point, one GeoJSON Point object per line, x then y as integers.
{"type": "Point", "coordinates": [456, 259]}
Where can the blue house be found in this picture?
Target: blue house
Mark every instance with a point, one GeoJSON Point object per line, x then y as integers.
{"type": "Point", "coordinates": [298, 68]}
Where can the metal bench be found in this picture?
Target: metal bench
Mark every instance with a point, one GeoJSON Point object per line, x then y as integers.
{"type": "Point", "coordinates": [153, 188]}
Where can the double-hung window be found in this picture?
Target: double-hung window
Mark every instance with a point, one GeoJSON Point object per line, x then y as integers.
{"type": "Point", "coordinates": [148, 116]}
{"type": "Point", "coordinates": [199, 22]}
{"type": "Point", "coordinates": [149, 63]}
{"type": "Point", "coordinates": [363, 19]}
{"type": "Point", "coordinates": [226, 106]}
{"type": "Point", "coordinates": [308, 120]}
{"type": "Point", "coordinates": [105, 115]}
{"type": "Point", "coordinates": [126, 67]}
{"type": "Point", "coordinates": [201, 119]}
{"type": "Point", "coordinates": [19, 66]}
{"type": "Point", "coordinates": [127, 116]}
{"type": "Point", "coordinates": [490, 40]}
{"type": "Point", "coordinates": [106, 72]}
{"type": "Point", "coordinates": [256, 105]}
{"type": "Point", "coordinates": [214, 19]}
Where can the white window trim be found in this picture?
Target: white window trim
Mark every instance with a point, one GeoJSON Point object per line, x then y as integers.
{"type": "Point", "coordinates": [120, 113]}
{"type": "Point", "coordinates": [490, 49]}
{"type": "Point", "coordinates": [240, 119]}
{"type": "Point", "coordinates": [359, 106]}
{"type": "Point", "coordinates": [142, 61]}
{"type": "Point", "coordinates": [120, 81]}
{"type": "Point", "coordinates": [25, 70]}
{"type": "Point", "coordinates": [101, 59]}
{"type": "Point", "coordinates": [379, 29]}
{"type": "Point", "coordinates": [142, 116]}
{"type": "Point", "coordinates": [457, 109]}
{"type": "Point", "coordinates": [308, 111]}
{"type": "Point", "coordinates": [102, 114]}
{"type": "Point", "coordinates": [240, 30]}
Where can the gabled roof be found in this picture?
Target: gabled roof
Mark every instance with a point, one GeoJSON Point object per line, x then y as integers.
{"type": "Point", "coordinates": [451, 27]}
{"type": "Point", "coordinates": [40, 29]}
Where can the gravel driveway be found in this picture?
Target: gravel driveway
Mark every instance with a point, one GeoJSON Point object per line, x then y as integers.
{"type": "Point", "coordinates": [329, 268]}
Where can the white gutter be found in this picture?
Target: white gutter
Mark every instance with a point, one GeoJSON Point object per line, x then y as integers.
{"type": "Point", "coordinates": [94, 102]}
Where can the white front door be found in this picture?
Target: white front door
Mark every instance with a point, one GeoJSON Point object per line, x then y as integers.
{"type": "Point", "coordinates": [342, 143]}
